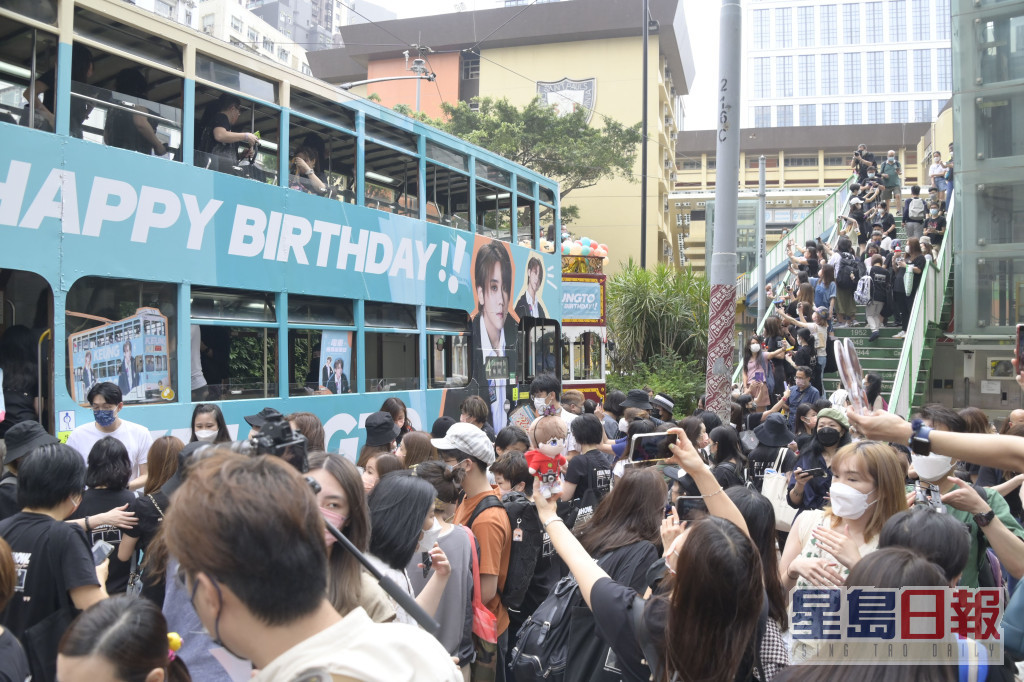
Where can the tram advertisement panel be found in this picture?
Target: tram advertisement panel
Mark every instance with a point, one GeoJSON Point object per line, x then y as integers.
{"type": "Point", "coordinates": [131, 353]}
{"type": "Point", "coordinates": [336, 370]}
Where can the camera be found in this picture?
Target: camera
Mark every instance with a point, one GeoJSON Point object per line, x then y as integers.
{"type": "Point", "coordinates": [928, 494]}
{"type": "Point", "coordinates": [277, 438]}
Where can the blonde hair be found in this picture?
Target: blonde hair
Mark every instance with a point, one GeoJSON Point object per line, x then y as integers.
{"type": "Point", "coordinates": [883, 465]}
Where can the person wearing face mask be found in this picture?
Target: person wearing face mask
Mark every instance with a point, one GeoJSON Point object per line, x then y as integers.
{"type": "Point", "coordinates": [937, 172]}
{"type": "Point", "coordinates": [53, 558]}
{"type": "Point", "coordinates": [984, 510]}
{"type": "Point", "coordinates": [801, 393]}
{"type": "Point", "coordinates": [106, 401]}
{"type": "Point", "coordinates": [208, 425]}
{"type": "Point", "coordinates": [867, 491]}
{"type": "Point", "coordinates": [758, 381]}
{"type": "Point", "coordinates": [935, 225]}
{"type": "Point", "coordinates": [810, 481]}
{"type": "Point", "coordinates": [890, 171]}
{"type": "Point", "coordinates": [546, 392]}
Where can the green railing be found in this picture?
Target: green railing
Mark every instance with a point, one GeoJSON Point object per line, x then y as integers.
{"type": "Point", "coordinates": [926, 310]}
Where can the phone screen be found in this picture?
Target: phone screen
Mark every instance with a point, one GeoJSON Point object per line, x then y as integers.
{"type": "Point", "coordinates": [100, 551]}
{"type": "Point", "coordinates": [647, 446]}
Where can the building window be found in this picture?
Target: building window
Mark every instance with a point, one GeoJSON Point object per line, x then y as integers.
{"type": "Point", "coordinates": [851, 23]}
{"type": "Point", "coordinates": [873, 21]}
{"type": "Point", "coordinates": [254, 36]}
{"type": "Point", "coordinates": [784, 27]}
{"type": "Point", "coordinates": [282, 54]}
{"type": "Point", "coordinates": [922, 70]}
{"type": "Point", "coordinates": [188, 18]}
{"type": "Point", "coordinates": [808, 114]}
{"type": "Point", "coordinates": [762, 76]}
{"type": "Point", "coordinates": [899, 112]}
{"type": "Point", "coordinates": [922, 20]}
{"type": "Point", "coordinates": [827, 22]}
{"type": "Point", "coordinates": [851, 72]}
{"type": "Point", "coordinates": [806, 64]}
{"type": "Point", "coordinates": [898, 70]}
{"type": "Point", "coordinates": [837, 161]}
{"type": "Point", "coordinates": [805, 26]}
{"type": "Point", "coordinates": [784, 115]}
{"type": "Point", "coordinates": [689, 164]}
{"type": "Point", "coordinates": [923, 111]}
{"type": "Point", "coordinates": [897, 21]}
{"type": "Point", "coordinates": [268, 44]}
{"type": "Point", "coordinates": [944, 69]}
{"type": "Point", "coordinates": [830, 74]}
{"type": "Point", "coordinates": [853, 110]}
{"type": "Point", "coordinates": [208, 20]}
{"type": "Point", "coordinates": [876, 72]}
{"type": "Point", "coordinates": [784, 76]}
{"type": "Point", "coordinates": [762, 117]}
{"type": "Point", "coordinates": [829, 114]}
{"type": "Point", "coordinates": [762, 29]}
{"type": "Point", "coordinates": [942, 19]}
{"type": "Point", "coordinates": [236, 24]}
{"type": "Point", "coordinates": [801, 160]}
{"type": "Point", "coordinates": [470, 68]}
{"type": "Point", "coordinates": [163, 9]}
{"type": "Point", "coordinates": [876, 112]}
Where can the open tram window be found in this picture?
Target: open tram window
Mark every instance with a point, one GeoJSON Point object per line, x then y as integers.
{"type": "Point", "coordinates": [321, 361]}
{"type": "Point", "coordinates": [322, 159]}
{"type": "Point", "coordinates": [26, 349]}
{"type": "Point", "coordinates": [392, 354]}
{"type": "Point", "coordinates": [586, 357]}
{"type": "Point", "coordinates": [447, 197]}
{"type": "Point", "coordinates": [493, 211]}
{"type": "Point", "coordinates": [236, 136]}
{"type": "Point", "coordinates": [122, 331]}
{"type": "Point", "coordinates": [525, 211]}
{"type": "Point", "coordinates": [543, 347]}
{"type": "Point", "coordinates": [448, 347]}
{"type": "Point", "coordinates": [22, 48]}
{"type": "Point", "coordinates": [239, 350]}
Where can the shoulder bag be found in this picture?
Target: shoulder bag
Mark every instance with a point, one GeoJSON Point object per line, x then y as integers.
{"type": "Point", "coordinates": [485, 623]}
{"type": "Point", "coordinates": [775, 487]}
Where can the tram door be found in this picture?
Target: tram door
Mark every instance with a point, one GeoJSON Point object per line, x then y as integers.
{"type": "Point", "coordinates": [26, 346]}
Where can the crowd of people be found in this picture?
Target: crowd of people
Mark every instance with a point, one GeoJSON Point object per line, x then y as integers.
{"type": "Point", "coordinates": [447, 555]}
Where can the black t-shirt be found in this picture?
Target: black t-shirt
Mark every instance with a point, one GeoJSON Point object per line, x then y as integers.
{"type": "Point", "coordinates": [51, 558]}
{"type": "Point", "coordinates": [763, 457]}
{"type": "Point", "coordinates": [579, 470]}
{"type": "Point", "coordinates": [879, 283]}
{"type": "Point", "coordinates": [920, 262]}
{"type": "Point", "coordinates": [20, 407]}
{"type": "Point", "coordinates": [206, 141]}
{"type": "Point", "coordinates": [13, 662]}
{"type": "Point", "coordinates": [149, 518]}
{"type": "Point", "coordinates": [886, 223]}
{"type": "Point", "coordinates": [728, 474]}
{"type": "Point", "coordinates": [97, 501]}
{"type": "Point", "coordinates": [612, 604]}
{"type": "Point", "coordinates": [935, 229]}
{"type": "Point", "coordinates": [8, 496]}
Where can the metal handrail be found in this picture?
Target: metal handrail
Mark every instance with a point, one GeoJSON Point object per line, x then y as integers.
{"type": "Point", "coordinates": [926, 309]}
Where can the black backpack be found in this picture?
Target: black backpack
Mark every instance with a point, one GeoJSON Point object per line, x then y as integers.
{"type": "Point", "coordinates": [542, 644]}
{"type": "Point", "coordinates": [527, 542]}
{"type": "Point", "coordinates": [850, 270]}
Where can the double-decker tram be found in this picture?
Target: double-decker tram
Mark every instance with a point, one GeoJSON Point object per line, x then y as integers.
{"type": "Point", "coordinates": [195, 223]}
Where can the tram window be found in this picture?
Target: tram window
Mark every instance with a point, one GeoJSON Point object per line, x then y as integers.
{"type": "Point", "coordinates": [391, 315]}
{"type": "Point", "coordinates": [326, 111]}
{"type": "Point", "coordinates": [524, 220]}
{"type": "Point", "coordinates": [524, 186]}
{"type": "Point", "coordinates": [547, 224]}
{"type": "Point", "coordinates": [586, 356]}
{"type": "Point", "coordinates": [320, 310]}
{"type": "Point", "coordinates": [252, 364]}
{"type": "Point", "coordinates": [321, 361]}
{"type": "Point", "coordinates": [26, 356]}
{"type": "Point", "coordinates": [542, 348]}
{"type": "Point", "coordinates": [232, 77]}
{"type": "Point", "coordinates": [447, 156]}
{"type": "Point", "coordinates": [447, 320]}
{"type": "Point", "coordinates": [225, 126]}
{"type": "Point", "coordinates": [565, 359]}
{"type": "Point", "coordinates": [493, 174]}
{"type": "Point", "coordinates": [40, 10]}
{"type": "Point", "coordinates": [209, 303]}
{"type": "Point", "coordinates": [392, 180]}
{"type": "Point", "coordinates": [447, 197]}
{"type": "Point", "coordinates": [392, 361]}
{"type": "Point", "coordinates": [547, 196]}
{"type": "Point", "coordinates": [122, 331]}
{"type": "Point", "coordinates": [16, 74]}
{"type": "Point", "coordinates": [448, 360]}
{"type": "Point", "coordinates": [328, 153]}
{"type": "Point", "coordinates": [130, 107]}
{"type": "Point", "coordinates": [379, 130]}
{"type": "Point", "coordinates": [493, 212]}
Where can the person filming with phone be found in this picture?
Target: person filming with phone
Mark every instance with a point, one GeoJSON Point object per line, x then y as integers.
{"type": "Point", "coordinates": [810, 481]}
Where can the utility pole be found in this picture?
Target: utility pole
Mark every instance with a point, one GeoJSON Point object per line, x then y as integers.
{"type": "Point", "coordinates": [419, 67]}
{"type": "Point", "coordinates": [762, 242]}
{"type": "Point", "coordinates": [643, 144]}
{"type": "Point", "coordinates": [721, 326]}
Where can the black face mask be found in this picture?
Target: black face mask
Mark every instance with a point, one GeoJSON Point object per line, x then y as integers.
{"type": "Point", "coordinates": [828, 436]}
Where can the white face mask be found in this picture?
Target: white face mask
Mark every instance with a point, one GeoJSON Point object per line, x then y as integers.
{"type": "Point", "coordinates": [539, 404]}
{"type": "Point", "coordinates": [931, 468]}
{"type": "Point", "coordinates": [206, 435]}
{"type": "Point", "coordinates": [755, 348]}
{"type": "Point", "coordinates": [847, 502]}
{"type": "Point", "coordinates": [623, 425]}
{"type": "Point", "coordinates": [429, 537]}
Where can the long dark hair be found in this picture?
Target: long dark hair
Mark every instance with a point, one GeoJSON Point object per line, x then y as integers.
{"type": "Point", "coordinates": [395, 407]}
{"type": "Point", "coordinates": [728, 446]}
{"type": "Point", "coordinates": [715, 603]}
{"type": "Point", "coordinates": [872, 387]}
{"type": "Point", "coordinates": [344, 578]}
{"type": "Point", "coordinates": [805, 335]}
{"type": "Point", "coordinates": [223, 436]}
{"type": "Point", "coordinates": [109, 465]}
{"type": "Point", "coordinates": [130, 634]}
{"type": "Point", "coordinates": [631, 512]}
{"type": "Point", "coordinates": [759, 514]}
{"type": "Point", "coordinates": [691, 427]}
{"type": "Point", "coordinates": [801, 412]}
{"type": "Point", "coordinates": [398, 505]}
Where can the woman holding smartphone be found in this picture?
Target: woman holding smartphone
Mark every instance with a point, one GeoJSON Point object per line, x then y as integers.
{"type": "Point", "coordinates": [810, 481]}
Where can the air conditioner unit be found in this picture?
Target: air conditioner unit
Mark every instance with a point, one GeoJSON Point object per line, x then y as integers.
{"type": "Point", "coordinates": [667, 251]}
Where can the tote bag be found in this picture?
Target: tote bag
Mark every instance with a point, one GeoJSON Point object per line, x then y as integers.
{"type": "Point", "coordinates": [485, 623]}
{"type": "Point", "coordinates": [776, 488]}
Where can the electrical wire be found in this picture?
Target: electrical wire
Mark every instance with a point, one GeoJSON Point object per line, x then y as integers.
{"type": "Point", "coordinates": [374, 23]}
{"type": "Point", "coordinates": [440, 97]}
{"type": "Point", "coordinates": [509, 20]}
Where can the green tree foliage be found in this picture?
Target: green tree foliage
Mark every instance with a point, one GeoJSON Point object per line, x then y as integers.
{"type": "Point", "coordinates": [683, 380]}
{"type": "Point", "coordinates": [564, 148]}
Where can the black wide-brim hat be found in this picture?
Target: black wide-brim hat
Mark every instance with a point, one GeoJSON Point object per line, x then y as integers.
{"type": "Point", "coordinates": [637, 398]}
{"type": "Point", "coordinates": [774, 432]}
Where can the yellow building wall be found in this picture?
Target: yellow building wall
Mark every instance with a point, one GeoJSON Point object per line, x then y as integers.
{"type": "Point", "coordinates": [937, 139]}
{"type": "Point", "coordinates": [610, 210]}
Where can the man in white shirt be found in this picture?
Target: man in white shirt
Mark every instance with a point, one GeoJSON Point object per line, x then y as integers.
{"type": "Point", "coordinates": [257, 577]}
{"type": "Point", "coordinates": [546, 392]}
{"type": "Point", "coordinates": [106, 401]}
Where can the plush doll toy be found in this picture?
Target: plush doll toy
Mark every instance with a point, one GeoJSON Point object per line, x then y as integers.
{"type": "Point", "coordinates": [547, 460]}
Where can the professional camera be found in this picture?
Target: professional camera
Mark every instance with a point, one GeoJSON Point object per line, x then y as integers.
{"type": "Point", "coordinates": [928, 494]}
{"type": "Point", "coordinates": [276, 438]}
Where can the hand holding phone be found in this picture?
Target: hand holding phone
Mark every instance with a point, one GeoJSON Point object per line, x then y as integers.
{"type": "Point", "coordinates": [100, 551]}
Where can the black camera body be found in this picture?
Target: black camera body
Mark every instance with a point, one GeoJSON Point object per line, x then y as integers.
{"type": "Point", "coordinates": [276, 437]}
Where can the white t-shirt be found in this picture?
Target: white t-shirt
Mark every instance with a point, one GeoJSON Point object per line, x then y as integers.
{"type": "Point", "coordinates": [937, 169]}
{"type": "Point", "coordinates": [357, 647]}
{"type": "Point", "coordinates": [136, 439]}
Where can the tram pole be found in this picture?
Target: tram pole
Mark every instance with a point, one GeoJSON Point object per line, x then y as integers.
{"type": "Point", "coordinates": [762, 242]}
{"type": "Point", "coordinates": [721, 326]}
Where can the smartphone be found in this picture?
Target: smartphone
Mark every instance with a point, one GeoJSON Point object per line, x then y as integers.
{"type": "Point", "coordinates": [685, 506]}
{"type": "Point", "coordinates": [100, 551]}
{"type": "Point", "coordinates": [816, 473]}
{"type": "Point", "coordinates": [647, 446]}
{"type": "Point", "coordinates": [1020, 347]}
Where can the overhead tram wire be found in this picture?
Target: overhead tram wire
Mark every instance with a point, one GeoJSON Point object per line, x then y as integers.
{"type": "Point", "coordinates": [508, 21]}
{"type": "Point", "coordinates": [374, 23]}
